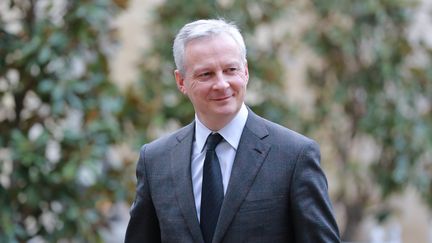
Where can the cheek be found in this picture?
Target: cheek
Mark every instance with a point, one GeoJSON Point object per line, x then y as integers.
{"type": "Point", "coordinates": [199, 92]}
{"type": "Point", "coordinates": [239, 86]}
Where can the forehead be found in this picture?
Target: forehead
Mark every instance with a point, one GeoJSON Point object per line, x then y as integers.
{"type": "Point", "coordinates": [211, 48]}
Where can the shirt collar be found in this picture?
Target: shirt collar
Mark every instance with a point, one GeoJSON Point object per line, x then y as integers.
{"type": "Point", "coordinates": [231, 132]}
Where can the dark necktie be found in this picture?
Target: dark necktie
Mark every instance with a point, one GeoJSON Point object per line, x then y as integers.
{"type": "Point", "coordinates": [212, 189]}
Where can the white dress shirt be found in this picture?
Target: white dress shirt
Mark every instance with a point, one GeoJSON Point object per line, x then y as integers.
{"type": "Point", "coordinates": [226, 151]}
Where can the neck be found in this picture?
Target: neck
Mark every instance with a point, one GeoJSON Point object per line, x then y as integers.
{"type": "Point", "coordinates": [216, 124]}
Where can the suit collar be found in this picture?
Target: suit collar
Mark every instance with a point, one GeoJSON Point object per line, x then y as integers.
{"type": "Point", "coordinates": [181, 174]}
{"type": "Point", "coordinates": [250, 156]}
{"type": "Point", "coordinates": [256, 125]}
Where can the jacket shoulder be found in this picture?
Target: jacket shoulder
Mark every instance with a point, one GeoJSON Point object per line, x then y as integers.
{"type": "Point", "coordinates": [165, 143]}
{"type": "Point", "coordinates": [280, 135]}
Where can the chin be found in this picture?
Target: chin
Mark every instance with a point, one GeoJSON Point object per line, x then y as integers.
{"type": "Point", "coordinates": [225, 111]}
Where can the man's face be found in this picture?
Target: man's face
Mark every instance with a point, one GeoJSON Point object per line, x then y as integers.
{"type": "Point", "coordinates": [214, 79]}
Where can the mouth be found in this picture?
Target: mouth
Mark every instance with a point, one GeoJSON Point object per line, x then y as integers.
{"type": "Point", "coordinates": [221, 98]}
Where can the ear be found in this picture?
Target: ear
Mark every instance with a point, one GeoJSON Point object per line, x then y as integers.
{"type": "Point", "coordinates": [246, 71]}
{"type": "Point", "coordinates": [180, 81]}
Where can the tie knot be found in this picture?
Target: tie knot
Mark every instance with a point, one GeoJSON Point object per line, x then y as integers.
{"type": "Point", "coordinates": [213, 140]}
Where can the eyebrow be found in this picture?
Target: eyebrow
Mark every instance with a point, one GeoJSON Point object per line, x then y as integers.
{"type": "Point", "coordinates": [205, 68]}
{"type": "Point", "coordinates": [200, 70]}
{"type": "Point", "coordinates": [233, 63]}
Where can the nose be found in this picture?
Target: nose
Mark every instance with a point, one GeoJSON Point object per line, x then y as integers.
{"type": "Point", "coordinates": [221, 81]}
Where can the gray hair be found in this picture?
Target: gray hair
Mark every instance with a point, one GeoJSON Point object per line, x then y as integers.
{"type": "Point", "coordinates": [204, 28]}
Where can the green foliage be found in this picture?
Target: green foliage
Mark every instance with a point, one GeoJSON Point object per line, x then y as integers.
{"type": "Point", "coordinates": [369, 73]}
{"type": "Point", "coordinates": [375, 83]}
{"type": "Point", "coordinates": [61, 116]}
{"type": "Point", "coordinates": [63, 119]}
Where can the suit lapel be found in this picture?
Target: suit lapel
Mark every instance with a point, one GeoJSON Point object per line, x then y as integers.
{"type": "Point", "coordinates": [181, 174]}
{"type": "Point", "coordinates": [250, 156]}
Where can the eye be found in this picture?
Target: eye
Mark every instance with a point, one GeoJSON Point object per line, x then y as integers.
{"type": "Point", "coordinates": [205, 74]}
{"type": "Point", "coordinates": [231, 70]}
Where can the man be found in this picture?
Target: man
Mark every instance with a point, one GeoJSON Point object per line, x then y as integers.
{"type": "Point", "coordinates": [230, 175]}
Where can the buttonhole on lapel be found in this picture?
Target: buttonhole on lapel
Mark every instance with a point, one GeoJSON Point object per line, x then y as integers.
{"type": "Point", "coordinates": [259, 151]}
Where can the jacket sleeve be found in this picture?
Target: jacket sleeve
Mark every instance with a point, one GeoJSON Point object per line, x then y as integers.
{"type": "Point", "coordinates": [143, 224]}
{"type": "Point", "coordinates": [312, 211]}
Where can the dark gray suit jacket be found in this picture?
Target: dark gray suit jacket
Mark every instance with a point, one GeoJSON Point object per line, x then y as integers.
{"type": "Point", "coordinates": [277, 190]}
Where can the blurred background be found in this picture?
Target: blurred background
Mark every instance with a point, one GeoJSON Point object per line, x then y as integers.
{"type": "Point", "coordinates": [83, 84]}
